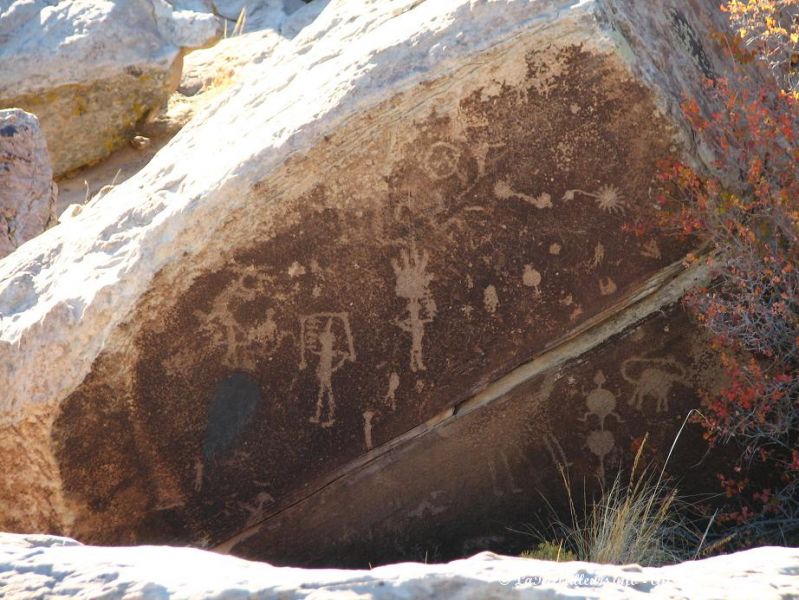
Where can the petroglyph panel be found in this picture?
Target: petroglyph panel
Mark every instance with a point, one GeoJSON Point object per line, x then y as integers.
{"type": "Point", "coordinates": [495, 470]}
{"type": "Point", "coordinates": [422, 251]}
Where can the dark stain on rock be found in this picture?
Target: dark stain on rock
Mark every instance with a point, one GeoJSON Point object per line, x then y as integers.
{"type": "Point", "coordinates": [234, 402]}
{"type": "Point", "coordinates": [8, 131]}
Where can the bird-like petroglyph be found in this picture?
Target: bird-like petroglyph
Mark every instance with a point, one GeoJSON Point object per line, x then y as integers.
{"type": "Point", "coordinates": [413, 285]}
{"type": "Point", "coordinates": [329, 337]}
{"type": "Point", "coordinates": [653, 378]}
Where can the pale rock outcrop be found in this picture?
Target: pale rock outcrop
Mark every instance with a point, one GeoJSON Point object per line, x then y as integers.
{"type": "Point", "coordinates": [52, 567]}
{"type": "Point", "coordinates": [27, 191]}
{"type": "Point", "coordinates": [373, 293]}
{"type": "Point", "coordinates": [92, 70]}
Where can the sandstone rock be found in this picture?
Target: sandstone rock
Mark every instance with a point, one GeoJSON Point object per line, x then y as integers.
{"type": "Point", "coordinates": [91, 71]}
{"type": "Point", "coordinates": [38, 566]}
{"type": "Point", "coordinates": [27, 191]}
{"type": "Point", "coordinates": [416, 281]}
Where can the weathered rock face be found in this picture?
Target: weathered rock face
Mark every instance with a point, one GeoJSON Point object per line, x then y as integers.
{"type": "Point", "coordinates": [27, 191]}
{"type": "Point", "coordinates": [90, 71]}
{"type": "Point", "coordinates": [37, 566]}
{"type": "Point", "coordinates": [330, 273]}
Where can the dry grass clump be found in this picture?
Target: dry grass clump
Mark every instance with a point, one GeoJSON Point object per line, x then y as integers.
{"type": "Point", "coordinates": [637, 520]}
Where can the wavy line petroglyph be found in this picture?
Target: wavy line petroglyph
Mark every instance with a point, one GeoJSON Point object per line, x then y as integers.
{"type": "Point", "coordinates": [655, 380]}
{"type": "Point", "coordinates": [329, 337]}
{"type": "Point", "coordinates": [413, 285]}
{"type": "Point", "coordinates": [504, 191]}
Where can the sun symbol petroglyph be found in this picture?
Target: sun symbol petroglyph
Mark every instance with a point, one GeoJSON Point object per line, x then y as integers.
{"type": "Point", "coordinates": [504, 191]}
{"type": "Point", "coordinates": [413, 285]}
{"type": "Point", "coordinates": [654, 380]}
{"type": "Point", "coordinates": [328, 336]}
{"type": "Point", "coordinates": [441, 160]}
{"type": "Point", "coordinates": [608, 198]}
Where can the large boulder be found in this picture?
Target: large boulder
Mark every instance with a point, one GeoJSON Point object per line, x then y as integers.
{"type": "Point", "coordinates": [391, 270]}
{"type": "Point", "coordinates": [27, 191]}
{"type": "Point", "coordinates": [45, 566]}
{"type": "Point", "coordinates": [92, 70]}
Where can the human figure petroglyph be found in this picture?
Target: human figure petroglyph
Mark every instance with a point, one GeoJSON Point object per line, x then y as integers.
{"type": "Point", "coordinates": [321, 335]}
{"type": "Point", "coordinates": [608, 198]}
{"type": "Point", "coordinates": [653, 381]}
{"type": "Point", "coordinates": [390, 399]}
{"type": "Point", "coordinates": [413, 284]}
{"type": "Point", "coordinates": [601, 403]}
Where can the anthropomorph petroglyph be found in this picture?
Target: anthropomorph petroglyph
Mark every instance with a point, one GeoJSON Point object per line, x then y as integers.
{"type": "Point", "coordinates": [391, 395]}
{"type": "Point", "coordinates": [653, 380]}
{"type": "Point", "coordinates": [413, 285]}
{"type": "Point", "coordinates": [601, 404]}
{"type": "Point", "coordinates": [608, 198]}
{"type": "Point", "coordinates": [327, 336]}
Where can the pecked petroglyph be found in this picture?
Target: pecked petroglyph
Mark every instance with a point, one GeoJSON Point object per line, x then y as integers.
{"type": "Point", "coordinates": [654, 380]}
{"type": "Point", "coordinates": [532, 278]}
{"type": "Point", "coordinates": [491, 300]}
{"type": "Point", "coordinates": [413, 285]}
{"type": "Point", "coordinates": [327, 336]}
{"type": "Point", "coordinates": [503, 191]}
{"type": "Point", "coordinates": [608, 198]}
{"type": "Point", "coordinates": [601, 404]}
{"type": "Point", "coordinates": [390, 399]}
